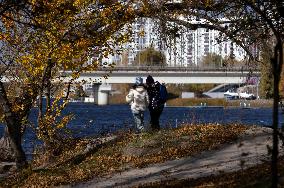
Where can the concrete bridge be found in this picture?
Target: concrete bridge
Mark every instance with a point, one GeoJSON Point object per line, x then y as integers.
{"type": "Point", "coordinates": [175, 75]}
{"type": "Point", "coordinates": [99, 82]}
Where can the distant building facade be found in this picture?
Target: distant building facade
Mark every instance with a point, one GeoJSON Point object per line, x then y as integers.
{"type": "Point", "coordinates": [187, 49]}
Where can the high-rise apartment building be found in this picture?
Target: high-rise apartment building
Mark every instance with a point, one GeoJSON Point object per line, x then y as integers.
{"type": "Point", "coordinates": [193, 45]}
{"type": "Point", "coordinates": [185, 50]}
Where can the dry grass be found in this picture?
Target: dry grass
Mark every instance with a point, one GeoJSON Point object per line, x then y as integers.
{"type": "Point", "coordinates": [218, 102]}
{"type": "Point", "coordinates": [130, 150]}
{"type": "Point", "coordinates": [254, 177]}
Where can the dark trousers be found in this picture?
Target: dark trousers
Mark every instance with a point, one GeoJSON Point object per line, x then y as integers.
{"type": "Point", "coordinates": [155, 116]}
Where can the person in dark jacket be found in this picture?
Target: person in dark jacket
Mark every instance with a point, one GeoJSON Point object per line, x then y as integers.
{"type": "Point", "coordinates": [156, 106]}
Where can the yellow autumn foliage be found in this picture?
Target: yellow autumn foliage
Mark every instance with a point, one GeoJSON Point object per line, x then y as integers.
{"type": "Point", "coordinates": [46, 38]}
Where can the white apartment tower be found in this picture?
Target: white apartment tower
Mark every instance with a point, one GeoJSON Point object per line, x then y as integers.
{"type": "Point", "coordinates": [186, 50]}
{"type": "Point", "coordinates": [193, 45]}
{"type": "Point", "coordinates": [144, 36]}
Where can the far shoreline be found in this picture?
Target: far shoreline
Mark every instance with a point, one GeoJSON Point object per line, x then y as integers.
{"type": "Point", "coordinates": [205, 102]}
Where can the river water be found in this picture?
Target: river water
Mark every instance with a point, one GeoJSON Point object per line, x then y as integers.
{"type": "Point", "coordinates": [93, 120]}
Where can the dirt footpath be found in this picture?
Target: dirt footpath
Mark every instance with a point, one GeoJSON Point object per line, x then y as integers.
{"type": "Point", "coordinates": [249, 150]}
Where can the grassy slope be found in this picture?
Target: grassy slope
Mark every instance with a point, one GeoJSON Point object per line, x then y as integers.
{"type": "Point", "coordinates": [128, 151]}
{"type": "Point", "coordinates": [255, 177]}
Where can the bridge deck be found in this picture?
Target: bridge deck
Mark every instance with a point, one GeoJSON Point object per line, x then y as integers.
{"type": "Point", "coordinates": [168, 75]}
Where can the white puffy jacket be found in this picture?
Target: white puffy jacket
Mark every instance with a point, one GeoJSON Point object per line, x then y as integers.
{"type": "Point", "coordinates": [138, 99]}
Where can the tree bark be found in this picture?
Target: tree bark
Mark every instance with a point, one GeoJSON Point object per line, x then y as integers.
{"type": "Point", "coordinates": [45, 85]}
{"type": "Point", "coordinates": [13, 132]}
{"type": "Point", "coordinates": [6, 152]}
{"type": "Point", "coordinates": [277, 66]}
{"type": "Point", "coordinates": [15, 135]}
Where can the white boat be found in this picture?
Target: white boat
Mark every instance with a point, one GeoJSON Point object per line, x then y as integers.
{"type": "Point", "coordinates": [246, 95]}
{"type": "Point", "coordinates": [231, 94]}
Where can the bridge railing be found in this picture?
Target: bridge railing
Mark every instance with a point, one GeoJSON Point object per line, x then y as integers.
{"type": "Point", "coordinates": [129, 68]}
{"type": "Point", "coordinates": [176, 69]}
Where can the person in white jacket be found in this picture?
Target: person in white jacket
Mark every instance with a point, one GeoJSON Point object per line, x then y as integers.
{"type": "Point", "coordinates": [138, 100]}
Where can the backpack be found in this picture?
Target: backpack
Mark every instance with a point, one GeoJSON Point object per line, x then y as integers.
{"type": "Point", "coordinates": [163, 93]}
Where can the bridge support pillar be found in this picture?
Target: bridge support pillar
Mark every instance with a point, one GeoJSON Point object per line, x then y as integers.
{"type": "Point", "coordinates": [103, 94]}
{"type": "Point", "coordinates": [99, 94]}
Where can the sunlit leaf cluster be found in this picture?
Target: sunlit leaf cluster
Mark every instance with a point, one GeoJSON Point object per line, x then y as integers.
{"type": "Point", "coordinates": [53, 122]}
{"type": "Point", "coordinates": [43, 39]}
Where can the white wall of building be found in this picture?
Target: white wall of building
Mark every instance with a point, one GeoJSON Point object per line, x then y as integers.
{"type": "Point", "coordinates": [193, 45]}
{"type": "Point", "coordinates": [186, 50]}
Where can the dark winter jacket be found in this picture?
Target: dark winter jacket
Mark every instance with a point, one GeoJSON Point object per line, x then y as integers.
{"type": "Point", "coordinates": [154, 96]}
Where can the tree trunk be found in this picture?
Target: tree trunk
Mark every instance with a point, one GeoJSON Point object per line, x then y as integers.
{"type": "Point", "coordinates": [15, 137]}
{"type": "Point", "coordinates": [47, 82]}
{"type": "Point", "coordinates": [6, 152]}
{"type": "Point", "coordinates": [274, 157]}
{"type": "Point", "coordinates": [13, 133]}
{"type": "Point", "coordinates": [45, 85]}
{"type": "Point", "coordinates": [277, 66]}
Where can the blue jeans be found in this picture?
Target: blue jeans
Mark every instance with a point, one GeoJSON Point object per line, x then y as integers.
{"type": "Point", "coordinates": [139, 120]}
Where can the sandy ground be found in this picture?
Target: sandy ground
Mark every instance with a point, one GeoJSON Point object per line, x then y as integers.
{"type": "Point", "coordinates": [249, 150]}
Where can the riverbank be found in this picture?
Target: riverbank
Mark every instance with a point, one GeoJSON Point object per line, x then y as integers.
{"type": "Point", "coordinates": [125, 152]}
{"type": "Point", "coordinates": [259, 103]}
{"type": "Point", "coordinates": [244, 153]}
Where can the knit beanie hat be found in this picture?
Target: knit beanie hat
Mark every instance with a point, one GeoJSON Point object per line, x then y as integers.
{"type": "Point", "coordinates": [138, 80]}
{"type": "Point", "coordinates": [149, 79]}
